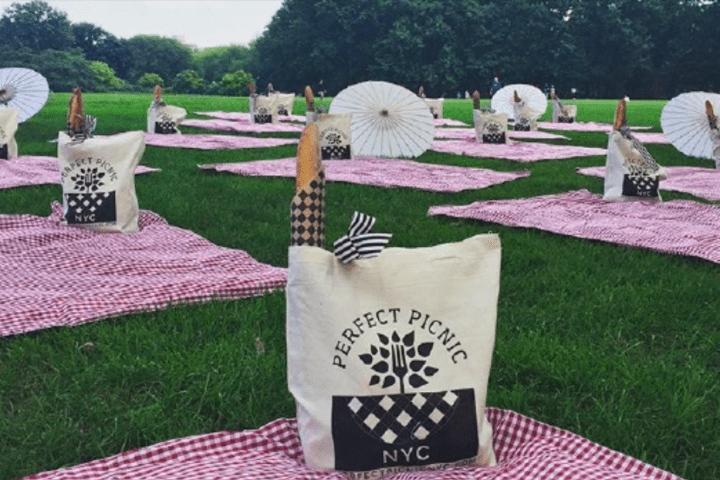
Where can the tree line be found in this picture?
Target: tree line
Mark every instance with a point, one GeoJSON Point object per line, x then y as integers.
{"type": "Point", "coordinates": [35, 35]}
{"type": "Point", "coordinates": [600, 48]}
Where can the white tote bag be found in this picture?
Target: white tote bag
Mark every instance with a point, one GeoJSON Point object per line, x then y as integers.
{"type": "Point", "coordinates": [436, 107]}
{"type": "Point", "coordinates": [8, 126]}
{"type": "Point", "coordinates": [335, 137]}
{"type": "Point", "coordinates": [264, 109]}
{"type": "Point", "coordinates": [389, 357]}
{"type": "Point", "coordinates": [98, 181]}
{"type": "Point", "coordinates": [285, 103]}
{"type": "Point", "coordinates": [164, 119]}
{"type": "Point", "coordinates": [490, 127]}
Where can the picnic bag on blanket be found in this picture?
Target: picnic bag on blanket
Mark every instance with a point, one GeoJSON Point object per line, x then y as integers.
{"type": "Point", "coordinates": [490, 127]}
{"type": "Point", "coordinates": [334, 132]}
{"type": "Point", "coordinates": [164, 119]}
{"type": "Point", "coordinates": [265, 110]}
{"type": "Point", "coordinates": [630, 171]}
{"type": "Point", "coordinates": [98, 181]}
{"type": "Point", "coordinates": [436, 107]}
{"type": "Point", "coordinates": [8, 127]}
{"type": "Point", "coordinates": [389, 357]}
{"type": "Point", "coordinates": [285, 103]}
{"type": "Point", "coordinates": [526, 120]}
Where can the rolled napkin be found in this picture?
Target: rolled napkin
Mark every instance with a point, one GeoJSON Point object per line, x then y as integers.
{"type": "Point", "coordinates": [310, 115]}
{"type": "Point", "coordinates": [79, 125]}
{"type": "Point", "coordinates": [714, 131]}
{"type": "Point", "coordinates": [307, 209]}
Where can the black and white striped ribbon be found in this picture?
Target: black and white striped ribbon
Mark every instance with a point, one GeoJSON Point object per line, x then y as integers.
{"type": "Point", "coordinates": [359, 243]}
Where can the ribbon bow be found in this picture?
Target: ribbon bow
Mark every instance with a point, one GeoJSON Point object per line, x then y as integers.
{"type": "Point", "coordinates": [359, 243]}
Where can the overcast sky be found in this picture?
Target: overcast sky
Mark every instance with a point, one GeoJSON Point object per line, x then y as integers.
{"type": "Point", "coordinates": [205, 23]}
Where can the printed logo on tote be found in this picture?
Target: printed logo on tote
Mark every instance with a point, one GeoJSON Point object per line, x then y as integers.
{"type": "Point", "coordinates": [263, 115]}
{"type": "Point", "coordinates": [411, 424]}
{"type": "Point", "coordinates": [335, 144]}
{"type": "Point", "coordinates": [87, 198]}
{"type": "Point", "coordinates": [165, 125]}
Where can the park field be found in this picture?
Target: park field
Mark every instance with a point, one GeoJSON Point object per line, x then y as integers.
{"type": "Point", "coordinates": [614, 343]}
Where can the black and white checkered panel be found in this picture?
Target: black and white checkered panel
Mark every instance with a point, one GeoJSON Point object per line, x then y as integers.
{"type": "Point", "coordinates": [307, 214]}
{"type": "Point", "coordinates": [639, 185]}
{"type": "Point", "coordinates": [165, 127]}
{"type": "Point", "coordinates": [89, 208]}
{"type": "Point", "coordinates": [335, 152]}
{"type": "Point", "coordinates": [4, 155]}
{"type": "Point", "coordinates": [564, 119]}
{"type": "Point", "coordinates": [263, 118]}
{"type": "Point", "coordinates": [403, 418]}
{"type": "Point", "coordinates": [493, 137]}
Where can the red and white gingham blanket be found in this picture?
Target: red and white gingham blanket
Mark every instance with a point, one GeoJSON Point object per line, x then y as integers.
{"type": "Point", "coordinates": [526, 450]}
{"type": "Point", "coordinates": [583, 127]}
{"type": "Point", "coordinates": [381, 172]}
{"type": "Point", "coordinates": [680, 226]}
{"type": "Point", "coordinates": [469, 134]}
{"type": "Point", "coordinates": [518, 151]}
{"type": "Point", "coordinates": [245, 117]}
{"type": "Point", "coordinates": [30, 170]}
{"type": "Point", "coordinates": [701, 182]}
{"type": "Point", "coordinates": [53, 275]}
{"type": "Point", "coordinates": [214, 142]}
{"type": "Point", "coordinates": [246, 127]}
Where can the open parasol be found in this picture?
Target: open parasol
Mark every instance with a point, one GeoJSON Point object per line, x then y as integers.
{"type": "Point", "coordinates": [387, 120]}
{"type": "Point", "coordinates": [684, 122]}
{"type": "Point", "coordinates": [24, 90]}
{"type": "Point", "coordinates": [504, 99]}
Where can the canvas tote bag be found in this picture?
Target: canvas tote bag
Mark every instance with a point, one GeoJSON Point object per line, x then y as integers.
{"type": "Point", "coordinates": [630, 171]}
{"type": "Point", "coordinates": [98, 181]}
{"type": "Point", "coordinates": [490, 127]}
{"type": "Point", "coordinates": [8, 127]}
{"type": "Point", "coordinates": [389, 358]}
{"type": "Point", "coordinates": [265, 110]}
{"type": "Point", "coordinates": [436, 107]}
{"type": "Point", "coordinates": [285, 103]}
{"type": "Point", "coordinates": [334, 133]}
{"type": "Point", "coordinates": [164, 119]}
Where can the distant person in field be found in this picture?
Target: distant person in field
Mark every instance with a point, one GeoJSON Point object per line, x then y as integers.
{"type": "Point", "coordinates": [495, 85]}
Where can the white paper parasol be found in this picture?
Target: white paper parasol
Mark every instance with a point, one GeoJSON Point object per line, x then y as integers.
{"type": "Point", "coordinates": [503, 100]}
{"type": "Point", "coordinates": [24, 90]}
{"type": "Point", "coordinates": [685, 123]}
{"type": "Point", "coordinates": [387, 120]}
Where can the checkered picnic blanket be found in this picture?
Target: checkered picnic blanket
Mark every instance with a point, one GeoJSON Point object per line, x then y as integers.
{"type": "Point", "coordinates": [679, 227]}
{"type": "Point", "coordinates": [470, 134]}
{"type": "Point", "coordinates": [519, 152]}
{"type": "Point", "coordinates": [214, 142]}
{"type": "Point", "coordinates": [526, 449]}
{"type": "Point", "coordinates": [31, 170]}
{"type": "Point", "coordinates": [231, 126]}
{"type": "Point", "coordinates": [53, 275]}
{"type": "Point", "coordinates": [381, 172]}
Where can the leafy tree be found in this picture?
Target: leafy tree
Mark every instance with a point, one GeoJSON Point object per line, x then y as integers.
{"type": "Point", "coordinates": [97, 44]}
{"type": "Point", "coordinates": [165, 56]}
{"type": "Point", "coordinates": [213, 63]}
{"type": "Point", "coordinates": [150, 80]}
{"type": "Point", "coordinates": [235, 83]}
{"type": "Point", "coordinates": [188, 81]}
{"type": "Point", "coordinates": [105, 78]}
{"type": "Point", "coordinates": [63, 70]}
{"type": "Point", "coordinates": [35, 25]}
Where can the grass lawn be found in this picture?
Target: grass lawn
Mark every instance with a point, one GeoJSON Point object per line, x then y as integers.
{"type": "Point", "coordinates": [617, 344]}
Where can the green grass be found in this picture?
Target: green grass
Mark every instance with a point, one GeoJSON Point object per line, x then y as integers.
{"type": "Point", "coordinates": [617, 344]}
